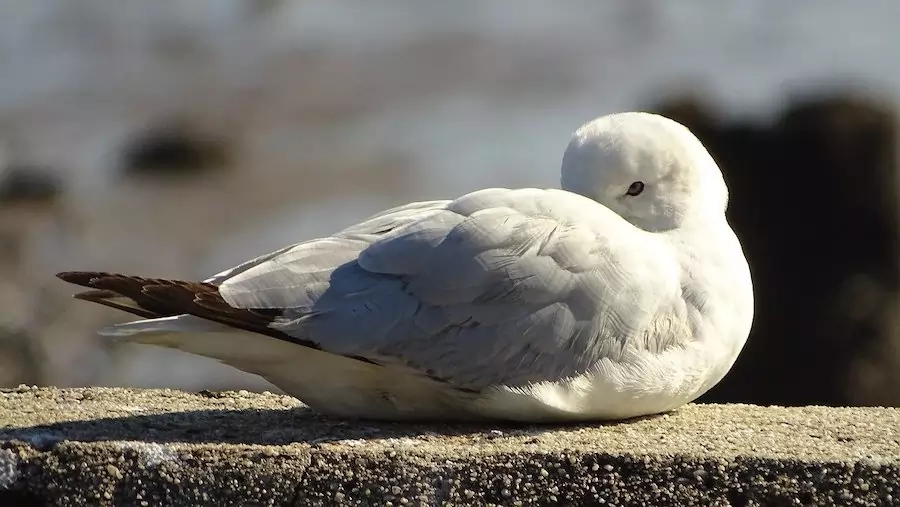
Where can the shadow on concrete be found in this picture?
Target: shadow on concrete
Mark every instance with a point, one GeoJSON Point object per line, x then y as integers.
{"type": "Point", "coordinates": [263, 427]}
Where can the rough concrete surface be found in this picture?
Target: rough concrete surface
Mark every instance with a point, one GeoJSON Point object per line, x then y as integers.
{"type": "Point", "coordinates": [103, 446]}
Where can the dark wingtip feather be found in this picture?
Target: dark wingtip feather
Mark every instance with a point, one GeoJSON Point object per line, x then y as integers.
{"type": "Point", "coordinates": [83, 278]}
{"type": "Point", "coordinates": [91, 295]}
{"type": "Point", "coordinates": [107, 298]}
{"type": "Point", "coordinates": [159, 297]}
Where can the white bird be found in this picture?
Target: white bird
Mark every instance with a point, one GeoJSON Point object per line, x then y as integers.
{"type": "Point", "coordinates": [625, 293]}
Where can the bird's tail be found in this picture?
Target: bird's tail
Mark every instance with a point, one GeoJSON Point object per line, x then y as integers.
{"type": "Point", "coordinates": [132, 294]}
{"type": "Point", "coordinates": [169, 309]}
{"type": "Point", "coordinates": [156, 298]}
{"type": "Point", "coordinates": [193, 317]}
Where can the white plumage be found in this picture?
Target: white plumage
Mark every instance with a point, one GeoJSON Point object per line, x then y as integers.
{"type": "Point", "coordinates": [624, 293]}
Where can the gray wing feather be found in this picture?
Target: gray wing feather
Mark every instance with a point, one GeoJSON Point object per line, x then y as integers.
{"type": "Point", "coordinates": [368, 229]}
{"type": "Point", "coordinates": [498, 287]}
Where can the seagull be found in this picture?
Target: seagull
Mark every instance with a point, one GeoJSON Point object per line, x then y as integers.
{"type": "Point", "coordinates": [623, 293]}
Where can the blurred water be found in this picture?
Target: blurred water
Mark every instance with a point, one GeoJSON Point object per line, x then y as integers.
{"type": "Point", "coordinates": [429, 99]}
{"type": "Point", "coordinates": [96, 59]}
{"type": "Point", "coordinates": [748, 57]}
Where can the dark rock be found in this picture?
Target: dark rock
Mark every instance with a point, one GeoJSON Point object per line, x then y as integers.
{"type": "Point", "coordinates": [23, 183]}
{"type": "Point", "coordinates": [172, 151]}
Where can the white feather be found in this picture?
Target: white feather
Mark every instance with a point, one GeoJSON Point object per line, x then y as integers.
{"type": "Point", "coordinates": [589, 302]}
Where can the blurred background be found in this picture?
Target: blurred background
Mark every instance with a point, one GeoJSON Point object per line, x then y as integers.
{"type": "Point", "coordinates": [176, 138]}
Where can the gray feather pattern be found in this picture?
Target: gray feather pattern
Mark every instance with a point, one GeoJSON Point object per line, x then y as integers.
{"type": "Point", "coordinates": [497, 287]}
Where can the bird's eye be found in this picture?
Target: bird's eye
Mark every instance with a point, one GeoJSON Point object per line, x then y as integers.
{"type": "Point", "coordinates": [635, 188]}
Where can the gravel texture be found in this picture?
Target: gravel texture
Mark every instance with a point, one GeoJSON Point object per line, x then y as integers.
{"type": "Point", "coordinates": [103, 446]}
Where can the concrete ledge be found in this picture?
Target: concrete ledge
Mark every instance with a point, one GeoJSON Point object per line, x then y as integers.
{"type": "Point", "coordinates": [163, 447]}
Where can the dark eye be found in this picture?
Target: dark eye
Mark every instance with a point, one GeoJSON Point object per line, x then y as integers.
{"type": "Point", "coordinates": [635, 188]}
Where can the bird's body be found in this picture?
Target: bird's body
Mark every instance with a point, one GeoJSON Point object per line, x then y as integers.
{"type": "Point", "coordinates": [603, 300]}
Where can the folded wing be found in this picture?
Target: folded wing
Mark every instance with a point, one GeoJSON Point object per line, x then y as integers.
{"type": "Point", "coordinates": [497, 287]}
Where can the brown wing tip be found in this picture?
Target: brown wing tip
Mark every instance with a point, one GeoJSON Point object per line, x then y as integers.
{"type": "Point", "coordinates": [107, 298]}
{"type": "Point", "coordinates": [83, 278]}
{"type": "Point", "coordinates": [95, 295]}
{"type": "Point", "coordinates": [170, 293]}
